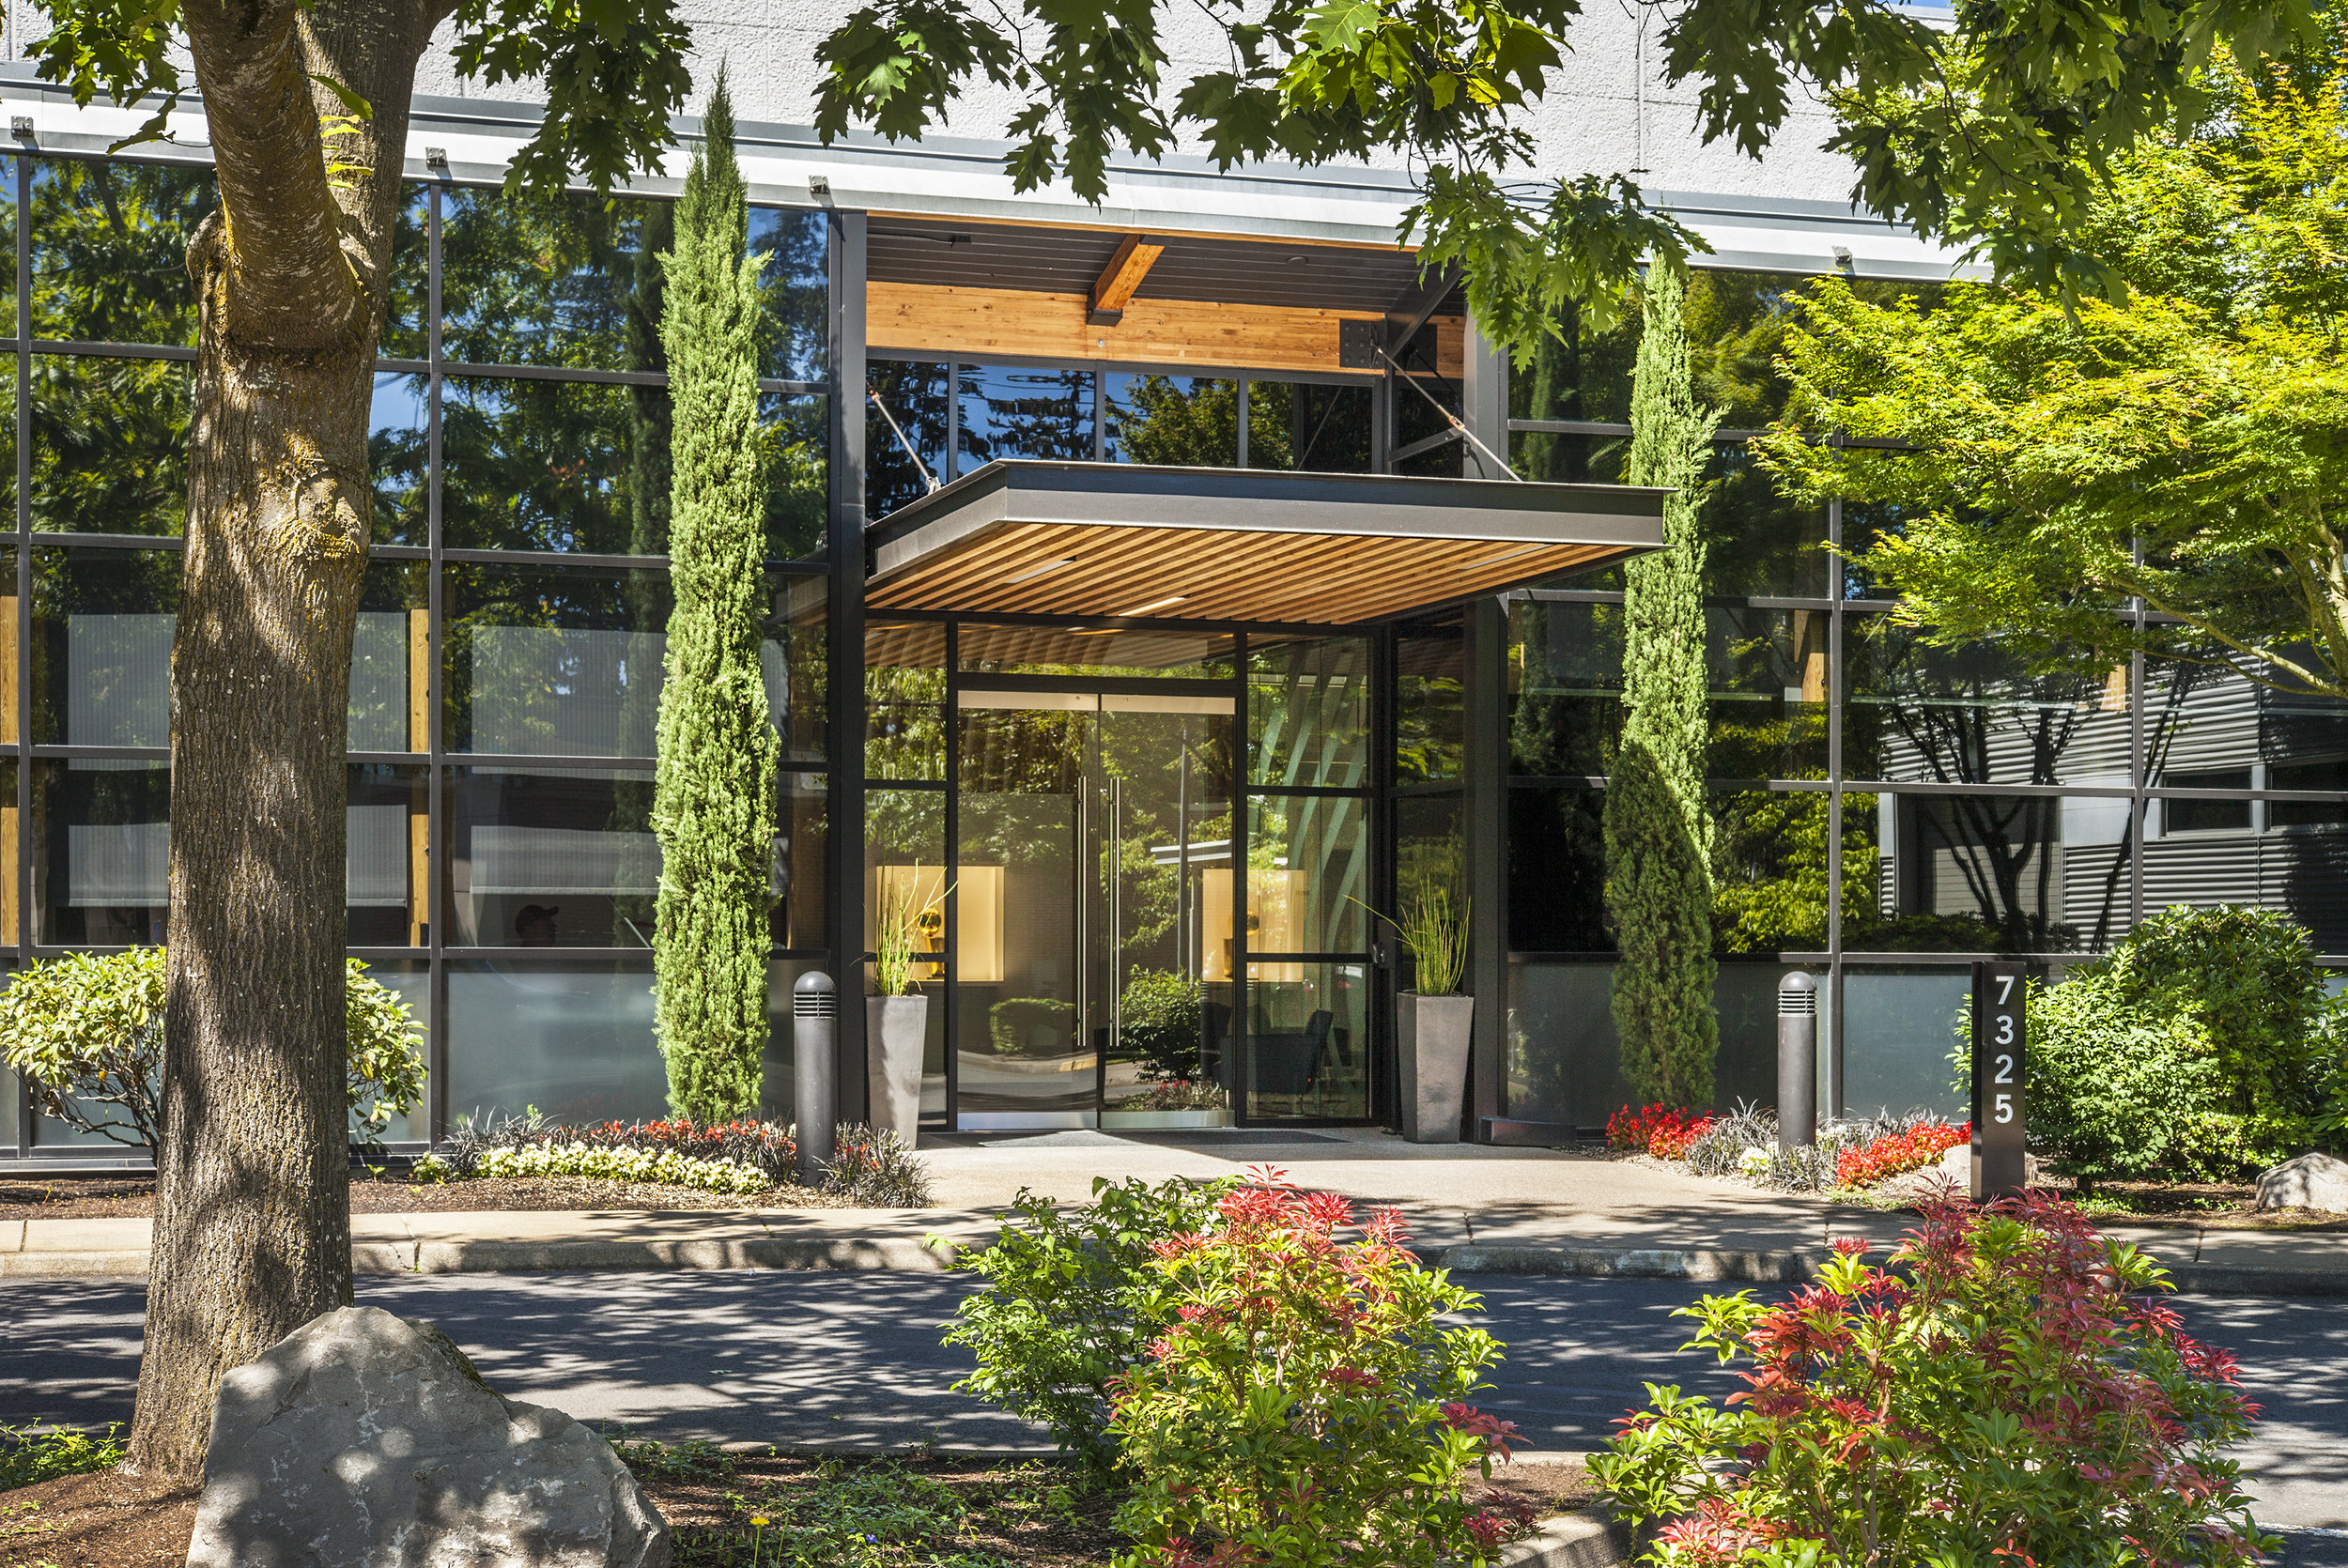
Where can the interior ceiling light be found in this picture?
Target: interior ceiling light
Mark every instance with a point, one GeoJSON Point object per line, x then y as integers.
{"type": "Point", "coordinates": [1038, 570]}
{"type": "Point", "coordinates": [1156, 604]}
{"type": "Point", "coordinates": [1496, 560]}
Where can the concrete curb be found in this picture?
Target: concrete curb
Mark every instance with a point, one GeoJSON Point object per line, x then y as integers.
{"type": "Point", "coordinates": [910, 1255]}
{"type": "Point", "coordinates": [1572, 1541]}
{"type": "Point", "coordinates": [1631, 1262]}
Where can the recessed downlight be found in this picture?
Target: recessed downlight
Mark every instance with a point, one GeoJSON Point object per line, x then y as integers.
{"type": "Point", "coordinates": [1038, 570]}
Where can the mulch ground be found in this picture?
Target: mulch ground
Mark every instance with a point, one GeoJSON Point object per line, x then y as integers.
{"type": "Point", "coordinates": [133, 1197]}
{"type": "Point", "coordinates": [111, 1521]}
{"type": "Point", "coordinates": [96, 1521]}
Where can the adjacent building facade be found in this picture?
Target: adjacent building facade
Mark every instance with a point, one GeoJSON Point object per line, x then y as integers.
{"type": "Point", "coordinates": [1138, 605]}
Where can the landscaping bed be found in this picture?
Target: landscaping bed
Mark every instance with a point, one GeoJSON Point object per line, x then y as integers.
{"type": "Point", "coordinates": [935, 1511]}
{"type": "Point", "coordinates": [133, 1196]}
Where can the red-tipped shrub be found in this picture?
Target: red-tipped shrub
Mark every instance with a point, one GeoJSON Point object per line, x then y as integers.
{"type": "Point", "coordinates": [1305, 1408]}
{"type": "Point", "coordinates": [2002, 1392]}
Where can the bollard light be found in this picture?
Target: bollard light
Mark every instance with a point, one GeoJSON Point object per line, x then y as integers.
{"type": "Point", "coordinates": [1797, 1061]}
{"type": "Point", "coordinates": [815, 1072]}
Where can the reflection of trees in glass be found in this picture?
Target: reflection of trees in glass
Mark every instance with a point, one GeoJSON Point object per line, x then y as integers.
{"type": "Point", "coordinates": [1769, 872]}
{"type": "Point", "coordinates": [1579, 375]}
{"type": "Point", "coordinates": [1023, 413]}
{"type": "Point", "coordinates": [914, 395]}
{"type": "Point", "coordinates": [2002, 855]}
{"type": "Point", "coordinates": [1566, 708]}
{"type": "Point", "coordinates": [532, 464]}
{"type": "Point", "coordinates": [1303, 425]}
{"type": "Point", "coordinates": [1429, 708]}
{"type": "Point", "coordinates": [533, 280]}
{"type": "Point", "coordinates": [399, 453]}
{"type": "Point", "coordinates": [110, 249]}
{"type": "Point", "coordinates": [792, 291]}
{"type": "Point", "coordinates": [1768, 676]}
{"type": "Point", "coordinates": [108, 445]}
{"type": "Point", "coordinates": [1970, 713]}
{"type": "Point", "coordinates": [1183, 420]}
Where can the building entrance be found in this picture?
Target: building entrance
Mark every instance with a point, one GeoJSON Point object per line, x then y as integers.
{"type": "Point", "coordinates": [1094, 935]}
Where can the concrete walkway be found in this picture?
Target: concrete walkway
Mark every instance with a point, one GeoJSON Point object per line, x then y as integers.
{"type": "Point", "coordinates": [1470, 1208]}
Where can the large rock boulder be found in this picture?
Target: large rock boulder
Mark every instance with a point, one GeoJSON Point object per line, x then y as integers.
{"type": "Point", "coordinates": [2312, 1181]}
{"type": "Point", "coordinates": [363, 1441]}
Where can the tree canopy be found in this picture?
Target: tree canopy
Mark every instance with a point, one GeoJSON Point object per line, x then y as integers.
{"type": "Point", "coordinates": [1995, 127]}
{"type": "Point", "coordinates": [2186, 446]}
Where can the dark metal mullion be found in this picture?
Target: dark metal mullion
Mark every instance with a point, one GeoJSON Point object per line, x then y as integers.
{"type": "Point", "coordinates": [952, 725]}
{"type": "Point", "coordinates": [952, 465]}
{"type": "Point", "coordinates": [23, 935]}
{"type": "Point", "coordinates": [1243, 422]}
{"type": "Point", "coordinates": [436, 773]}
{"type": "Point", "coordinates": [1833, 1095]}
{"type": "Point", "coordinates": [1240, 1048]}
{"type": "Point", "coordinates": [1379, 1051]}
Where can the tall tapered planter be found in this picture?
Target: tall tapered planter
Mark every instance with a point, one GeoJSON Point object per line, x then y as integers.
{"type": "Point", "coordinates": [1431, 1035]}
{"type": "Point", "coordinates": [895, 1030]}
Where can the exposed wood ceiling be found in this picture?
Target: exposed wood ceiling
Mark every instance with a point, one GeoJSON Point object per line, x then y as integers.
{"type": "Point", "coordinates": [976, 322]}
{"type": "Point", "coordinates": [1069, 261]}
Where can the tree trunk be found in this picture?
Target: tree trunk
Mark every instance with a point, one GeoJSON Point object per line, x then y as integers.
{"type": "Point", "coordinates": [252, 1217]}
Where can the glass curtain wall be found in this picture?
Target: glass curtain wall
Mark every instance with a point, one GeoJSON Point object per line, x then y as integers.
{"type": "Point", "coordinates": [937, 419]}
{"type": "Point", "coordinates": [1884, 809]}
{"type": "Point", "coordinates": [508, 658]}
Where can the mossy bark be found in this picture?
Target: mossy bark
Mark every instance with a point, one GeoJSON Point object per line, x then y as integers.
{"type": "Point", "coordinates": [1659, 837]}
{"type": "Point", "coordinates": [714, 792]}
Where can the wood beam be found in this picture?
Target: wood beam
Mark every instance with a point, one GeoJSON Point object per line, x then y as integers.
{"type": "Point", "coordinates": [925, 318]}
{"type": "Point", "coordinates": [1135, 255]}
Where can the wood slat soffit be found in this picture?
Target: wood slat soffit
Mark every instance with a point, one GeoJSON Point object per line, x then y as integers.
{"type": "Point", "coordinates": [979, 290]}
{"type": "Point", "coordinates": [1122, 540]}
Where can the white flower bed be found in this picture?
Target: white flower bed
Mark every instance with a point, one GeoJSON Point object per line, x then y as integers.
{"type": "Point", "coordinates": [610, 1164]}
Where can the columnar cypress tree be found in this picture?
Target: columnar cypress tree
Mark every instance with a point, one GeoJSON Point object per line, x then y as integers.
{"type": "Point", "coordinates": [714, 795]}
{"type": "Point", "coordinates": [1659, 868]}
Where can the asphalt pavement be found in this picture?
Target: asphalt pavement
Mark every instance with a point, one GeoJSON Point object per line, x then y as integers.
{"type": "Point", "coordinates": [853, 1359]}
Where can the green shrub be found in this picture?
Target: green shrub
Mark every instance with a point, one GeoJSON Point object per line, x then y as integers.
{"type": "Point", "coordinates": [1304, 1406]}
{"type": "Point", "coordinates": [1071, 1301]}
{"type": "Point", "coordinates": [2006, 1391]}
{"type": "Point", "coordinates": [1014, 1024]}
{"type": "Point", "coordinates": [1160, 1019]}
{"type": "Point", "coordinates": [30, 1457]}
{"type": "Point", "coordinates": [2196, 1050]}
{"type": "Point", "coordinates": [86, 1032]}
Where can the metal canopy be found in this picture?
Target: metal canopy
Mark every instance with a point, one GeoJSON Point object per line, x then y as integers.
{"type": "Point", "coordinates": [1026, 537]}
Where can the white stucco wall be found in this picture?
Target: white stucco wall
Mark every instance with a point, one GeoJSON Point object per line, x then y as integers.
{"type": "Point", "coordinates": [1607, 110]}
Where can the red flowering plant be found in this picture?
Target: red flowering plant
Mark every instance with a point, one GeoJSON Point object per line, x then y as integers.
{"type": "Point", "coordinates": [2007, 1388]}
{"type": "Point", "coordinates": [1662, 1130]}
{"type": "Point", "coordinates": [1302, 1406]}
{"type": "Point", "coordinates": [1630, 1128]}
{"type": "Point", "coordinates": [1898, 1153]}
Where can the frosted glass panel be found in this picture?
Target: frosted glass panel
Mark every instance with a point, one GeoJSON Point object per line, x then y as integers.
{"type": "Point", "coordinates": [575, 1043]}
{"type": "Point", "coordinates": [377, 838]}
{"type": "Point", "coordinates": [119, 679]}
{"type": "Point", "coordinates": [547, 860]}
{"type": "Point", "coordinates": [379, 683]}
{"type": "Point", "coordinates": [117, 864]}
{"type": "Point", "coordinates": [543, 691]}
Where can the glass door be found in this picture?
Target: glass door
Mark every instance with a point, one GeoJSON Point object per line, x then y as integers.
{"type": "Point", "coordinates": [1092, 984]}
{"type": "Point", "coordinates": [1163, 788]}
{"type": "Point", "coordinates": [1023, 1056]}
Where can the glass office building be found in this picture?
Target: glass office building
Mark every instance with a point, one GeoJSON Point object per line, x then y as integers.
{"type": "Point", "coordinates": [1154, 812]}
